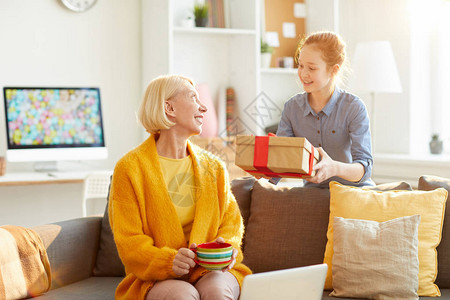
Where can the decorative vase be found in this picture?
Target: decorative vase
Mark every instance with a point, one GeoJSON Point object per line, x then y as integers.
{"type": "Point", "coordinates": [209, 128]}
{"type": "Point", "coordinates": [265, 60]}
{"type": "Point", "coordinates": [201, 22]}
{"type": "Point", "coordinates": [436, 145]}
{"type": "Point", "coordinates": [188, 22]}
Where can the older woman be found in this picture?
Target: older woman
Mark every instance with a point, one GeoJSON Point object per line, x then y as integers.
{"type": "Point", "coordinates": [167, 196]}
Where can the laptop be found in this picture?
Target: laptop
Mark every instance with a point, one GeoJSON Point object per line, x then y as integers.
{"type": "Point", "coordinates": [290, 284]}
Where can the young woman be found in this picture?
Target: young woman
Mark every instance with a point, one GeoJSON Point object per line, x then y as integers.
{"type": "Point", "coordinates": [333, 120]}
{"type": "Point", "coordinates": [167, 196]}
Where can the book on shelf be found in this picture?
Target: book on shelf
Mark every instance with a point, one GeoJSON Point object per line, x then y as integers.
{"type": "Point", "coordinates": [218, 13]}
{"type": "Point", "coordinates": [230, 99]}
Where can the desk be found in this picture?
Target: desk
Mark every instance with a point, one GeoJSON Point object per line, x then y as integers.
{"type": "Point", "coordinates": [36, 178]}
{"type": "Point", "coordinates": [32, 198]}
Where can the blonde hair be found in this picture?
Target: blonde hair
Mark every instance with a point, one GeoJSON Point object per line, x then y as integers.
{"type": "Point", "coordinates": [330, 44]}
{"type": "Point", "coordinates": [151, 113]}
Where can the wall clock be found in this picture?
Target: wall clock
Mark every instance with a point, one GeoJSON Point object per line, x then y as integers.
{"type": "Point", "coordinates": [78, 5]}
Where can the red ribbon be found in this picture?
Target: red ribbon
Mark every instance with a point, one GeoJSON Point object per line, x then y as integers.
{"type": "Point", "coordinates": [261, 155]}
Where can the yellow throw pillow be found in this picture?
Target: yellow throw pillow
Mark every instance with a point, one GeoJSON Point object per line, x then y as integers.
{"type": "Point", "coordinates": [360, 203]}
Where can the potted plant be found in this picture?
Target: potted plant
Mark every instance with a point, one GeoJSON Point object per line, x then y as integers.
{"type": "Point", "coordinates": [266, 54]}
{"type": "Point", "coordinates": [435, 144]}
{"type": "Point", "coordinates": [201, 14]}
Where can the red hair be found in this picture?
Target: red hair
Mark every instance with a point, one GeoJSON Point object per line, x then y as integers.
{"type": "Point", "coordinates": [329, 43]}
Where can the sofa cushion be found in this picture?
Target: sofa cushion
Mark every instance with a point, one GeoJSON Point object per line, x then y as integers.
{"type": "Point", "coordinates": [242, 191]}
{"type": "Point", "coordinates": [359, 203]}
{"type": "Point", "coordinates": [445, 295]}
{"type": "Point", "coordinates": [376, 260]}
{"type": "Point", "coordinates": [286, 228]}
{"type": "Point", "coordinates": [93, 288]}
{"type": "Point", "coordinates": [428, 183]}
{"type": "Point", "coordinates": [391, 186]}
{"type": "Point", "coordinates": [108, 262]}
{"type": "Point", "coordinates": [72, 246]}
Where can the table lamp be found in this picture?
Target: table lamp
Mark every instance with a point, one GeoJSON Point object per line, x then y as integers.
{"type": "Point", "coordinates": [374, 71]}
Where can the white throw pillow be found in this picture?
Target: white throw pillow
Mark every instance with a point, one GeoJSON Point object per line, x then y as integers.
{"type": "Point", "coordinates": [376, 260]}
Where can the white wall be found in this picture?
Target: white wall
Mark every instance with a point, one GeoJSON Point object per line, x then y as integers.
{"type": "Point", "coordinates": [365, 20]}
{"type": "Point", "coordinates": [321, 15]}
{"type": "Point", "coordinates": [279, 88]}
{"type": "Point", "coordinates": [45, 44]}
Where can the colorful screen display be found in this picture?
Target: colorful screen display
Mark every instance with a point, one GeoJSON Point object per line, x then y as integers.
{"type": "Point", "coordinates": [53, 117]}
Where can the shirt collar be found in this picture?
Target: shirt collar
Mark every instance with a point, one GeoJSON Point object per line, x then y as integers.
{"type": "Point", "coordinates": [308, 110]}
{"type": "Point", "coordinates": [328, 107]}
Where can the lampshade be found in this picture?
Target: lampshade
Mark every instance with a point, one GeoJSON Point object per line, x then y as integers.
{"type": "Point", "coordinates": [209, 128]}
{"type": "Point", "coordinates": [374, 69]}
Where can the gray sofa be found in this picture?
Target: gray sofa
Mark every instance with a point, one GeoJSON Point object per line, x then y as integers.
{"type": "Point", "coordinates": [73, 248]}
{"type": "Point", "coordinates": [85, 264]}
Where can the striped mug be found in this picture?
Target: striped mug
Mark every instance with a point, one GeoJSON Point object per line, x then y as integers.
{"type": "Point", "coordinates": [213, 256]}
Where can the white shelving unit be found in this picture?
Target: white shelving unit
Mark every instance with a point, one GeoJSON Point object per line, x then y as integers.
{"type": "Point", "coordinates": [220, 57]}
{"type": "Point", "coordinates": [280, 84]}
{"type": "Point", "coordinates": [215, 31]}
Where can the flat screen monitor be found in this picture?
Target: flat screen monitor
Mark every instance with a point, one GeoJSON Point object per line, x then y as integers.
{"type": "Point", "coordinates": [53, 124]}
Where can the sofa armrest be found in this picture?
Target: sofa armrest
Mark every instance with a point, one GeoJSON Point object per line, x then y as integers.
{"type": "Point", "coordinates": [72, 247]}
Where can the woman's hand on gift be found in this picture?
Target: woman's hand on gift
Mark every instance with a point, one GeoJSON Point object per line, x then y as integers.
{"type": "Point", "coordinates": [220, 240]}
{"type": "Point", "coordinates": [327, 167]}
{"type": "Point", "coordinates": [184, 261]}
{"type": "Point", "coordinates": [324, 169]}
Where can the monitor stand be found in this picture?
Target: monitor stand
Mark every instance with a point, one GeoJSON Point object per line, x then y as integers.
{"type": "Point", "coordinates": [45, 166]}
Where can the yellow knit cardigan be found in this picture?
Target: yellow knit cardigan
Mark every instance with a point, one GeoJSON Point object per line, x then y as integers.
{"type": "Point", "coordinates": [146, 228]}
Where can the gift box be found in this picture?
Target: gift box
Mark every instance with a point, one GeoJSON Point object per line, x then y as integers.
{"type": "Point", "coordinates": [275, 156]}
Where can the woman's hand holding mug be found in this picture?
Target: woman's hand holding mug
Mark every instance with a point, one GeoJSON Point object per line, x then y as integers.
{"type": "Point", "coordinates": [183, 261]}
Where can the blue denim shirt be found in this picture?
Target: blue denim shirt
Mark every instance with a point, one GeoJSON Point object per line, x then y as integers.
{"type": "Point", "coordinates": [341, 128]}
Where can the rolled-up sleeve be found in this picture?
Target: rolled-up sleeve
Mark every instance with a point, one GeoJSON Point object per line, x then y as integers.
{"type": "Point", "coordinates": [361, 141]}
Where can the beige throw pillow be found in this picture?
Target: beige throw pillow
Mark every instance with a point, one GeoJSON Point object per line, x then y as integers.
{"type": "Point", "coordinates": [24, 265]}
{"type": "Point", "coordinates": [376, 260]}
